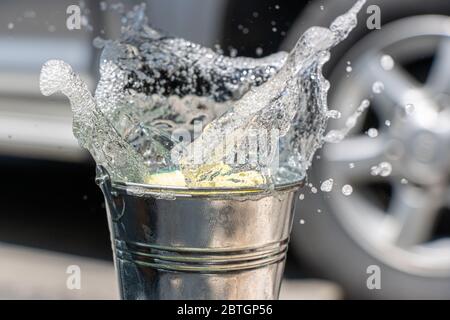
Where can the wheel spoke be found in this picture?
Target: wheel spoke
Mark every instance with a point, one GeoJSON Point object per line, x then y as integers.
{"type": "Point", "coordinates": [361, 151]}
{"type": "Point", "coordinates": [439, 77]}
{"type": "Point", "coordinates": [398, 84]}
{"type": "Point", "coordinates": [414, 211]}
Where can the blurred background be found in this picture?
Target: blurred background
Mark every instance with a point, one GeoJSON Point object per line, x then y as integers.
{"type": "Point", "coordinates": [52, 214]}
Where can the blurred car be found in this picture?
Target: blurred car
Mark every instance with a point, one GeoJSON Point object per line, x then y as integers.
{"type": "Point", "coordinates": [400, 223]}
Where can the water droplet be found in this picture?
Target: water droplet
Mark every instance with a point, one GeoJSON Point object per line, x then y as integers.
{"type": "Point", "coordinates": [378, 87]}
{"type": "Point", "coordinates": [404, 181]}
{"type": "Point", "coordinates": [349, 69]}
{"type": "Point", "coordinates": [105, 146]}
{"type": "Point", "coordinates": [302, 221]}
{"type": "Point", "coordinates": [277, 7]}
{"type": "Point", "coordinates": [10, 25]}
{"type": "Point", "coordinates": [387, 123]}
{"type": "Point", "coordinates": [334, 114]}
{"type": "Point", "coordinates": [319, 211]}
{"type": "Point", "coordinates": [409, 108]}
{"type": "Point", "coordinates": [372, 132]}
{"type": "Point", "coordinates": [347, 190]}
{"type": "Point", "coordinates": [336, 136]}
{"type": "Point", "coordinates": [351, 165]}
{"type": "Point", "coordinates": [259, 51]}
{"type": "Point", "coordinates": [364, 104]}
{"type": "Point", "coordinates": [301, 196]}
{"type": "Point", "coordinates": [387, 63]}
{"type": "Point", "coordinates": [383, 169]}
{"type": "Point", "coordinates": [233, 52]}
{"type": "Point", "coordinates": [327, 185]}
{"type": "Point", "coordinates": [321, 8]}
{"type": "Point", "coordinates": [274, 29]}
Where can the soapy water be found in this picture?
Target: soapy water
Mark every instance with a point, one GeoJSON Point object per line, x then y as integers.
{"type": "Point", "coordinates": [145, 123]}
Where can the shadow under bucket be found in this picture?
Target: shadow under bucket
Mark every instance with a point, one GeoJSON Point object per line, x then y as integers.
{"type": "Point", "coordinates": [180, 243]}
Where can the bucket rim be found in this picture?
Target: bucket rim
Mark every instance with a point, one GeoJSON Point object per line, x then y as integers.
{"type": "Point", "coordinates": [143, 189]}
{"type": "Point", "coordinates": [103, 179]}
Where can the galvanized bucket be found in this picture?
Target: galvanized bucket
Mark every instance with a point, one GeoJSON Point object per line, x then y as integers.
{"type": "Point", "coordinates": [179, 243]}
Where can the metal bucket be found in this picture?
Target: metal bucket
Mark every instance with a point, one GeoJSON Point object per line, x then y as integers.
{"type": "Point", "coordinates": [179, 243]}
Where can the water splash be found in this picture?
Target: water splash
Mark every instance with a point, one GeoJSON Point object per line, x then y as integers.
{"type": "Point", "coordinates": [293, 102]}
{"type": "Point", "coordinates": [336, 136]}
{"type": "Point", "coordinates": [153, 86]}
{"type": "Point", "coordinates": [90, 127]}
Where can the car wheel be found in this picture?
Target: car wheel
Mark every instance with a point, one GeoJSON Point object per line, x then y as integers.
{"type": "Point", "coordinates": [399, 219]}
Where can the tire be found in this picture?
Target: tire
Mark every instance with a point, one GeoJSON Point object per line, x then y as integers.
{"type": "Point", "coordinates": [322, 242]}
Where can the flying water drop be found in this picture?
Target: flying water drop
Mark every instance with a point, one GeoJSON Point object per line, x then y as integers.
{"type": "Point", "coordinates": [347, 190]}
{"type": "Point", "coordinates": [409, 108]}
{"type": "Point", "coordinates": [372, 133]}
{"type": "Point", "coordinates": [378, 87]}
{"type": "Point", "coordinates": [336, 136]}
{"type": "Point", "coordinates": [327, 185]}
{"type": "Point", "coordinates": [387, 63]}
{"type": "Point", "coordinates": [384, 169]}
